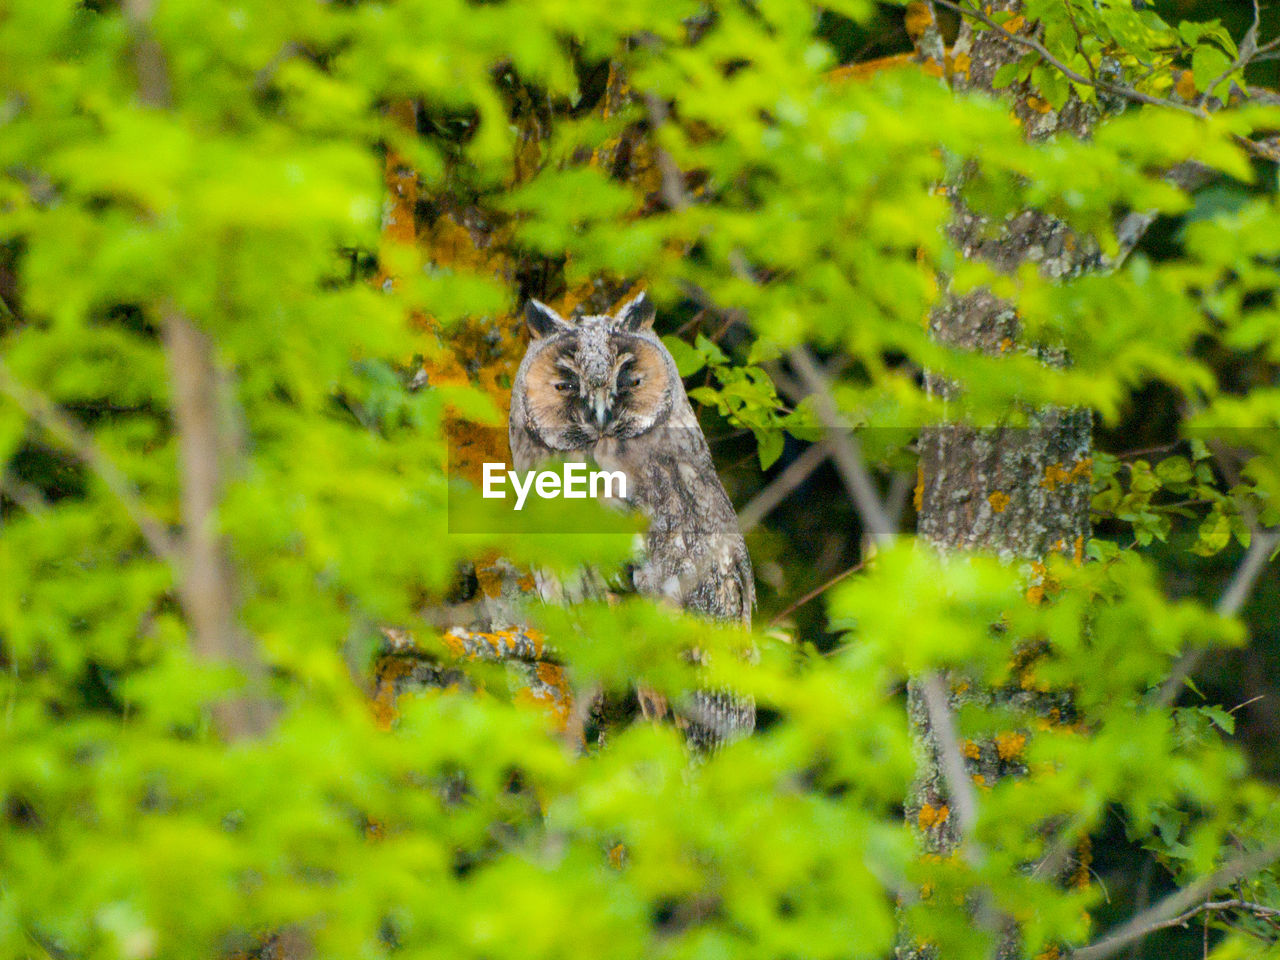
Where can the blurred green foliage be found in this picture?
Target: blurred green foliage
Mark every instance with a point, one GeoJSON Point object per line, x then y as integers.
{"type": "Point", "coordinates": [128, 829]}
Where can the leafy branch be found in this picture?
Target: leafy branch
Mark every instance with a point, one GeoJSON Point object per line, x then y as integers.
{"type": "Point", "coordinates": [1249, 52]}
{"type": "Point", "coordinates": [1178, 907]}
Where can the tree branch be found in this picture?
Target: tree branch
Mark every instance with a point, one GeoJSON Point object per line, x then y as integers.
{"type": "Point", "coordinates": [845, 450]}
{"type": "Point", "coordinates": [208, 588]}
{"type": "Point", "coordinates": [82, 445]}
{"type": "Point", "coordinates": [1242, 582]}
{"type": "Point", "coordinates": [1257, 909]}
{"type": "Point", "coordinates": [1170, 910]}
{"type": "Point", "coordinates": [1248, 50]}
{"type": "Point", "coordinates": [796, 472]}
{"type": "Point", "coordinates": [816, 592]}
{"type": "Point", "coordinates": [959, 788]}
{"type": "Point", "coordinates": [1031, 43]}
{"type": "Point", "coordinates": [207, 585]}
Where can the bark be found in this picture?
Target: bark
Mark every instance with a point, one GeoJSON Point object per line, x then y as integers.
{"type": "Point", "coordinates": [208, 589]}
{"type": "Point", "coordinates": [206, 447]}
{"type": "Point", "coordinates": [1020, 492]}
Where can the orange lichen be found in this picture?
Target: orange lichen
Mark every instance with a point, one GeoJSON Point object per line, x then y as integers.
{"type": "Point", "coordinates": [970, 750]}
{"type": "Point", "coordinates": [1077, 552]}
{"type": "Point", "coordinates": [402, 185]}
{"type": "Point", "coordinates": [869, 68]}
{"type": "Point", "coordinates": [1028, 680]}
{"type": "Point", "coordinates": [490, 581]}
{"type": "Point", "coordinates": [934, 69]}
{"type": "Point", "coordinates": [455, 644]}
{"type": "Point", "coordinates": [1185, 87]}
{"type": "Point", "coordinates": [919, 18]}
{"type": "Point", "coordinates": [618, 856]}
{"type": "Point", "coordinates": [999, 500]}
{"type": "Point", "coordinates": [1009, 746]}
{"type": "Point", "coordinates": [1082, 470]}
{"type": "Point", "coordinates": [556, 700]}
{"type": "Point", "coordinates": [1084, 858]}
{"type": "Point", "coordinates": [388, 671]}
{"type": "Point", "coordinates": [930, 815]}
{"type": "Point", "coordinates": [1014, 24]}
{"type": "Point", "coordinates": [918, 497]}
{"type": "Point", "coordinates": [1054, 474]}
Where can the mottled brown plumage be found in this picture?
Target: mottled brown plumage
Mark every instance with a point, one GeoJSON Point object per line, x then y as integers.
{"type": "Point", "coordinates": [604, 388]}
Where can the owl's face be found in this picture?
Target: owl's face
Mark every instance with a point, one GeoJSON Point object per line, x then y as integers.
{"type": "Point", "coordinates": [601, 376]}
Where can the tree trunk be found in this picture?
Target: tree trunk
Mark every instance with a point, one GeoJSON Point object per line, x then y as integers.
{"type": "Point", "coordinates": [1020, 493]}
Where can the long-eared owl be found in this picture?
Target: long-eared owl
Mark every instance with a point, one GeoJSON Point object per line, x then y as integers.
{"type": "Point", "coordinates": [605, 388]}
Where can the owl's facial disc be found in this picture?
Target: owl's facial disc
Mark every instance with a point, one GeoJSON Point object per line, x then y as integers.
{"type": "Point", "coordinates": [593, 381]}
{"type": "Point", "coordinates": [639, 383]}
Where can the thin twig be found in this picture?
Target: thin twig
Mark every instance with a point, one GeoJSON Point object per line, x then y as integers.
{"type": "Point", "coordinates": [845, 450]}
{"type": "Point", "coordinates": [23, 494]}
{"type": "Point", "coordinates": [82, 445]}
{"type": "Point", "coordinates": [673, 192]}
{"type": "Point", "coordinates": [1128, 93]}
{"type": "Point", "coordinates": [816, 592]}
{"type": "Point", "coordinates": [1256, 909]}
{"type": "Point", "coordinates": [1246, 575]}
{"type": "Point", "coordinates": [672, 188]}
{"type": "Point", "coordinates": [1088, 61]}
{"type": "Point", "coordinates": [1030, 43]}
{"type": "Point", "coordinates": [1176, 904]}
{"type": "Point", "coordinates": [1248, 49]}
{"type": "Point", "coordinates": [795, 473]}
{"type": "Point", "coordinates": [951, 760]}
{"type": "Point", "coordinates": [1228, 605]}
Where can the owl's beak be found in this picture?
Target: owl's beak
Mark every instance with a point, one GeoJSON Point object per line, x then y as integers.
{"type": "Point", "coordinates": [600, 405]}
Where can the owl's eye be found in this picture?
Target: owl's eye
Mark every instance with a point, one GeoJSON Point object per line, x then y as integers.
{"type": "Point", "coordinates": [628, 379]}
{"type": "Point", "coordinates": [566, 386]}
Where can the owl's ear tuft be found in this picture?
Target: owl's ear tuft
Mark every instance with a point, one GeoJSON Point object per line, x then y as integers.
{"type": "Point", "coordinates": [637, 314]}
{"type": "Point", "coordinates": [543, 321]}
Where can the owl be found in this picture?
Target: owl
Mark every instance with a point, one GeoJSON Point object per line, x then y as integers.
{"type": "Point", "coordinates": [604, 388]}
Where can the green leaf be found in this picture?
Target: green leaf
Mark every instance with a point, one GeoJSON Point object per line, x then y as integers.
{"type": "Point", "coordinates": [1208, 63]}
{"type": "Point", "coordinates": [688, 360]}
{"type": "Point", "coordinates": [1174, 470]}
{"type": "Point", "coordinates": [1221, 719]}
{"type": "Point", "coordinates": [769, 445]}
{"type": "Point", "coordinates": [710, 350]}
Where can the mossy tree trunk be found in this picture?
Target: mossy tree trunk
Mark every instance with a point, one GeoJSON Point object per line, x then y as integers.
{"type": "Point", "coordinates": [1020, 492]}
{"type": "Point", "coordinates": [451, 229]}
